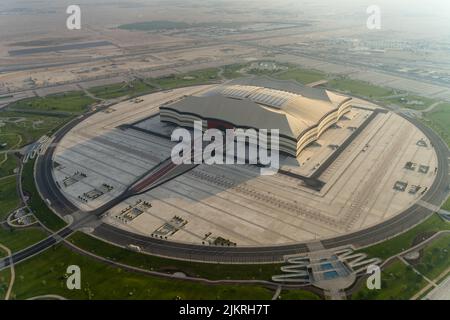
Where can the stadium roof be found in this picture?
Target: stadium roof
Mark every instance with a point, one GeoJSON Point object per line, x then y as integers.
{"type": "Point", "coordinates": [264, 103]}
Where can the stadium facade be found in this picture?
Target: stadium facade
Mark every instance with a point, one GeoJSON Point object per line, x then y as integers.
{"type": "Point", "coordinates": [300, 113]}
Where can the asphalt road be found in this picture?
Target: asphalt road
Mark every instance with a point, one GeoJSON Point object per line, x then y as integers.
{"type": "Point", "coordinates": [36, 248]}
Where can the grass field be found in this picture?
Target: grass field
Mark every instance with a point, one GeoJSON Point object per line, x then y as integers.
{"type": "Point", "coordinates": [439, 121]}
{"type": "Point", "coordinates": [75, 102]}
{"type": "Point", "coordinates": [301, 75]}
{"type": "Point", "coordinates": [203, 270]}
{"type": "Point", "coordinates": [138, 87]}
{"type": "Point", "coordinates": [398, 282]}
{"type": "Point", "coordinates": [12, 140]}
{"type": "Point", "coordinates": [237, 70]}
{"type": "Point", "coordinates": [446, 205]}
{"type": "Point", "coordinates": [45, 274]}
{"type": "Point", "coordinates": [133, 88]}
{"type": "Point", "coordinates": [21, 129]}
{"type": "Point", "coordinates": [29, 127]}
{"type": "Point", "coordinates": [359, 88]}
{"type": "Point", "coordinates": [4, 279]}
{"type": "Point", "coordinates": [8, 163]}
{"type": "Point", "coordinates": [9, 199]}
{"type": "Point", "coordinates": [232, 71]}
{"type": "Point", "coordinates": [37, 205]}
{"type": "Point", "coordinates": [435, 258]}
{"type": "Point", "coordinates": [405, 240]}
{"type": "Point", "coordinates": [18, 239]}
{"type": "Point", "coordinates": [411, 101]}
{"type": "Point", "coordinates": [187, 79]}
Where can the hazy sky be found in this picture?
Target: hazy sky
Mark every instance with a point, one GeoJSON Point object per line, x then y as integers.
{"type": "Point", "coordinates": [409, 7]}
{"type": "Point", "coordinates": [417, 17]}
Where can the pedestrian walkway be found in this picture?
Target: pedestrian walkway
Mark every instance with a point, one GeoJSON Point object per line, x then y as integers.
{"type": "Point", "coordinates": [335, 294]}
{"type": "Point", "coordinates": [427, 205]}
{"type": "Point", "coordinates": [13, 273]}
{"type": "Point", "coordinates": [441, 292]}
{"type": "Point", "coordinates": [315, 246]}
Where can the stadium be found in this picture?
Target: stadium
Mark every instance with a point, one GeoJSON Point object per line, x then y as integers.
{"type": "Point", "coordinates": [352, 172]}
{"type": "Point", "coordinates": [301, 115]}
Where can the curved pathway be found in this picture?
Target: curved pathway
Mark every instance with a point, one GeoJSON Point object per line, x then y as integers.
{"type": "Point", "coordinates": [12, 275]}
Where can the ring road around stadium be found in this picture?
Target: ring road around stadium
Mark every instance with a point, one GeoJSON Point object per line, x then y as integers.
{"type": "Point", "coordinates": [352, 173]}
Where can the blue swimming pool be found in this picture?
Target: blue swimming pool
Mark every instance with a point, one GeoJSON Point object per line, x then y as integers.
{"type": "Point", "coordinates": [326, 266]}
{"type": "Point", "coordinates": [330, 275]}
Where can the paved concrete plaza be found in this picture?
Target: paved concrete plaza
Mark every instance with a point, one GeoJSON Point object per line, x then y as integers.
{"type": "Point", "coordinates": [441, 292]}
{"type": "Point", "coordinates": [233, 204]}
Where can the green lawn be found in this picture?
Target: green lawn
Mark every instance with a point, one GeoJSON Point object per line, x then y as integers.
{"type": "Point", "coordinates": [203, 270]}
{"type": "Point", "coordinates": [37, 205]}
{"type": "Point", "coordinates": [4, 279]}
{"type": "Point", "coordinates": [12, 140]}
{"type": "Point", "coordinates": [435, 258]}
{"type": "Point", "coordinates": [232, 71]}
{"type": "Point", "coordinates": [446, 205]}
{"type": "Point", "coordinates": [237, 70]}
{"type": "Point", "coordinates": [405, 240]}
{"type": "Point", "coordinates": [133, 88]}
{"type": "Point", "coordinates": [301, 75]}
{"type": "Point", "coordinates": [398, 282]}
{"type": "Point", "coordinates": [359, 88]}
{"type": "Point", "coordinates": [439, 121]}
{"type": "Point", "coordinates": [187, 79]}
{"type": "Point", "coordinates": [9, 199]}
{"type": "Point", "coordinates": [7, 164]}
{"type": "Point", "coordinates": [23, 128]}
{"type": "Point", "coordinates": [298, 294]}
{"type": "Point", "coordinates": [411, 101]}
{"type": "Point", "coordinates": [29, 126]}
{"type": "Point", "coordinates": [74, 102]}
{"type": "Point", "coordinates": [45, 274]}
{"type": "Point", "coordinates": [138, 87]}
{"type": "Point", "coordinates": [18, 239]}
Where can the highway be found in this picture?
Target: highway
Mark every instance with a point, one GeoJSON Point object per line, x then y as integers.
{"type": "Point", "coordinates": [435, 195]}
